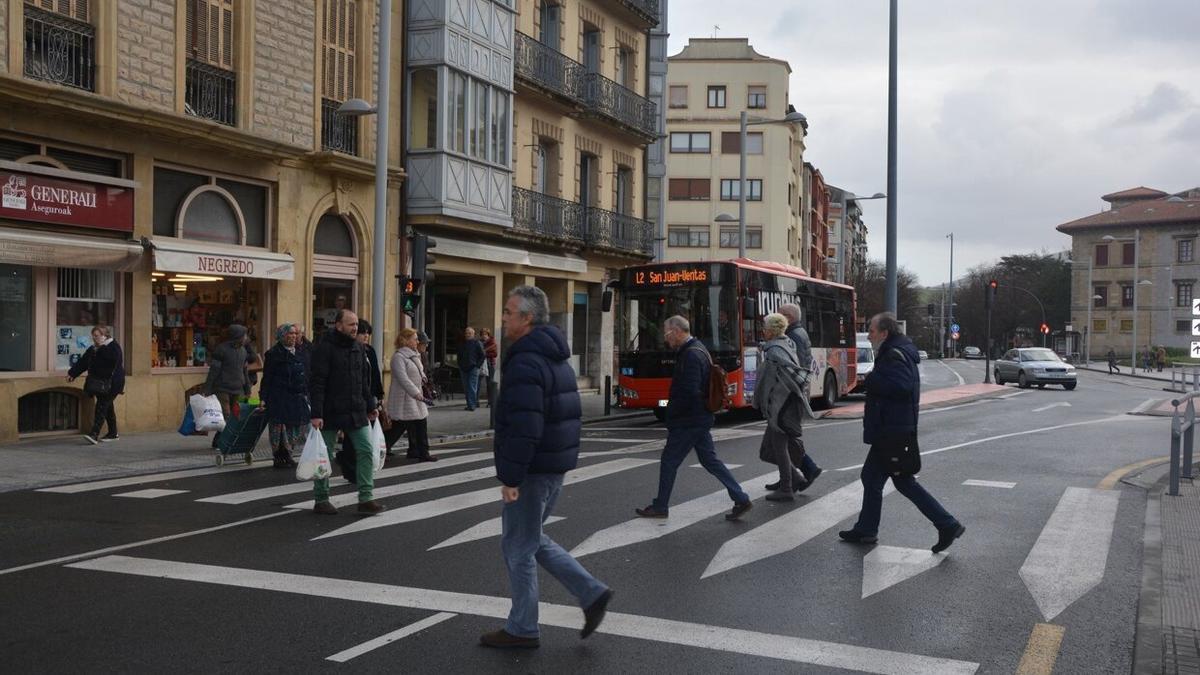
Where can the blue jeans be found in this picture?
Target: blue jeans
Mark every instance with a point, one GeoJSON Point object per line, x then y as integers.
{"type": "Point", "coordinates": [680, 442]}
{"type": "Point", "coordinates": [470, 380]}
{"type": "Point", "coordinates": [874, 478]}
{"type": "Point", "coordinates": [525, 547]}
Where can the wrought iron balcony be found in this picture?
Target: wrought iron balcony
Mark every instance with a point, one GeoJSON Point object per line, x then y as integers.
{"type": "Point", "coordinates": [548, 68]}
{"type": "Point", "coordinates": [546, 216]}
{"type": "Point", "coordinates": [338, 132]}
{"type": "Point", "coordinates": [619, 232]}
{"type": "Point", "coordinates": [210, 92]}
{"type": "Point", "coordinates": [647, 10]}
{"type": "Point", "coordinates": [59, 49]}
{"type": "Point", "coordinates": [621, 105]}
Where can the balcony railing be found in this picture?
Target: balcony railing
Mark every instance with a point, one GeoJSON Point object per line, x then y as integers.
{"type": "Point", "coordinates": [646, 9]}
{"type": "Point", "coordinates": [620, 104]}
{"type": "Point", "coordinates": [620, 232]}
{"type": "Point", "coordinates": [59, 49]}
{"type": "Point", "coordinates": [338, 132]}
{"type": "Point", "coordinates": [210, 92]}
{"type": "Point", "coordinates": [546, 216]}
{"type": "Point", "coordinates": [548, 68]}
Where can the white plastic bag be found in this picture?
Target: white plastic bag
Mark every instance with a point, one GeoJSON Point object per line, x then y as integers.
{"type": "Point", "coordinates": [314, 461]}
{"type": "Point", "coordinates": [206, 411]}
{"type": "Point", "coordinates": [378, 446]}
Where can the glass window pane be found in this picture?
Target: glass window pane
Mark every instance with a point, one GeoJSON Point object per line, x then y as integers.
{"type": "Point", "coordinates": [479, 122]}
{"type": "Point", "coordinates": [679, 142]}
{"type": "Point", "coordinates": [333, 237]}
{"type": "Point", "coordinates": [678, 96]}
{"type": "Point", "coordinates": [423, 112]}
{"type": "Point", "coordinates": [500, 124]}
{"type": "Point", "coordinates": [252, 200]}
{"type": "Point", "coordinates": [210, 217]}
{"type": "Point", "coordinates": [16, 316]}
{"type": "Point", "coordinates": [170, 187]}
{"type": "Point", "coordinates": [86, 298]}
{"type": "Point", "coordinates": [701, 142]}
{"type": "Point", "coordinates": [754, 143]}
{"type": "Point", "coordinates": [458, 103]}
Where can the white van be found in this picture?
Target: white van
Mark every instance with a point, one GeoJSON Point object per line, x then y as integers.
{"type": "Point", "coordinates": [866, 360]}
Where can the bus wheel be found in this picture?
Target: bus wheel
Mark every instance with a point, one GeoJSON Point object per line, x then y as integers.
{"type": "Point", "coordinates": [660, 414]}
{"type": "Point", "coordinates": [829, 392]}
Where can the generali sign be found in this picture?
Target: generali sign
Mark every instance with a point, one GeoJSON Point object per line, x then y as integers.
{"type": "Point", "coordinates": [29, 196]}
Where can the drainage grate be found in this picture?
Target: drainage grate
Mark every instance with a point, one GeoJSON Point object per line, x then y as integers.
{"type": "Point", "coordinates": [1181, 650]}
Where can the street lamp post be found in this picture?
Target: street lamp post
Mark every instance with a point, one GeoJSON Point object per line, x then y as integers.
{"type": "Point", "coordinates": [791, 118]}
{"type": "Point", "coordinates": [952, 340]}
{"type": "Point", "coordinates": [890, 291]}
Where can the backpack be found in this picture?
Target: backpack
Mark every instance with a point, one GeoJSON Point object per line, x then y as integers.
{"type": "Point", "coordinates": [716, 396]}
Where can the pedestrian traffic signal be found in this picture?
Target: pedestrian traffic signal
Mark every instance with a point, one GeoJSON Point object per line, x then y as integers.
{"type": "Point", "coordinates": [410, 295]}
{"type": "Point", "coordinates": [1045, 329]}
{"type": "Point", "coordinates": [421, 260]}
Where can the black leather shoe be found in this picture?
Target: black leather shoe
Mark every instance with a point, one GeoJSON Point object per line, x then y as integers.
{"type": "Point", "coordinates": [651, 512]}
{"type": "Point", "coordinates": [809, 480]}
{"type": "Point", "coordinates": [738, 510]}
{"type": "Point", "coordinates": [773, 486]}
{"type": "Point", "coordinates": [947, 537]}
{"type": "Point", "coordinates": [857, 537]}
{"type": "Point", "coordinates": [594, 614]}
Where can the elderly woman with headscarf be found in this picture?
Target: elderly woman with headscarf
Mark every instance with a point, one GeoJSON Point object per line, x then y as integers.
{"type": "Point", "coordinates": [780, 394]}
{"type": "Point", "coordinates": [284, 394]}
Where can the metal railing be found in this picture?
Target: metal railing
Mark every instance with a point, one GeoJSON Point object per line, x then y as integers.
{"type": "Point", "coordinates": [546, 216]}
{"type": "Point", "coordinates": [646, 9]}
{"type": "Point", "coordinates": [59, 49]}
{"type": "Point", "coordinates": [210, 92]}
{"type": "Point", "coordinates": [338, 132]}
{"type": "Point", "coordinates": [1185, 377]}
{"type": "Point", "coordinates": [548, 68]}
{"type": "Point", "coordinates": [618, 231]}
{"type": "Point", "coordinates": [620, 104]}
{"type": "Point", "coordinates": [1183, 429]}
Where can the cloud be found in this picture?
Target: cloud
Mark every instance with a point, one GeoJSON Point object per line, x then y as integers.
{"type": "Point", "coordinates": [1166, 100]}
{"type": "Point", "coordinates": [1188, 131]}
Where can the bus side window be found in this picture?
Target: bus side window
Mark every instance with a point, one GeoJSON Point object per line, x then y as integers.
{"type": "Point", "coordinates": [812, 320]}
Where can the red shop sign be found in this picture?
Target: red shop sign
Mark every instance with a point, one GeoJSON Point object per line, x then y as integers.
{"type": "Point", "coordinates": [28, 196]}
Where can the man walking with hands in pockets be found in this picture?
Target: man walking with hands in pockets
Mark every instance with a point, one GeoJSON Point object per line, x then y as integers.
{"type": "Point", "coordinates": [538, 423]}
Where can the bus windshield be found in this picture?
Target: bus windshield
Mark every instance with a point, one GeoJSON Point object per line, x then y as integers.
{"type": "Point", "coordinates": [711, 310]}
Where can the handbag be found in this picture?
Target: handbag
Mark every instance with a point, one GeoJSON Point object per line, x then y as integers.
{"type": "Point", "coordinates": [385, 422]}
{"type": "Point", "coordinates": [900, 455]}
{"type": "Point", "coordinates": [97, 386]}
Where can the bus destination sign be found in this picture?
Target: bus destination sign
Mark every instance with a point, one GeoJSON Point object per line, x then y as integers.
{"type": "Point", "coordinates": [670, 276]}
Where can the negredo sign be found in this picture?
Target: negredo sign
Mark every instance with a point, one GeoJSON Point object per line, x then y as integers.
{"type": "Point", "coordinates": [29, 196]}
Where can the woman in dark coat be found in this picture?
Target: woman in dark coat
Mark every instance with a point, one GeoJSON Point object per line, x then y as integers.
{"type": "Point", "coordinates": [284, 394]}
{"type": "Point", "coordinates": [105, 366]}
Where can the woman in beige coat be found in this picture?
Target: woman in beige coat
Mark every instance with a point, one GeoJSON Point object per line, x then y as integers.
{"type": "Point", "coordinates": [406, 403]}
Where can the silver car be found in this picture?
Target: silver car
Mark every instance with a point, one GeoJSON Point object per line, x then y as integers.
{"type": "Point", "coordinates": [1034, 365]}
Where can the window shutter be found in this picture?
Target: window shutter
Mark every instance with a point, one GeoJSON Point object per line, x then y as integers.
{"type": "Point", "coordinates": [340, 36]}
{"type": "Point", "coordinates": [731, 142]}
{"type": "Point", "coordinates": [75, 9]}
{"type": "Point", "coordinates": [210, 32]}
{"type": "Point", "coordinates": [677, 188]}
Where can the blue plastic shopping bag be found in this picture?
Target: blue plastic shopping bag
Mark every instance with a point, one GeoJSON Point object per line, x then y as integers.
{"type": "Point", "coordinates": [188, 427]}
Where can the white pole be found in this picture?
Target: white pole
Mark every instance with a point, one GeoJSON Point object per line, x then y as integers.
{"type": "Point", "coordinates": [382, 118]}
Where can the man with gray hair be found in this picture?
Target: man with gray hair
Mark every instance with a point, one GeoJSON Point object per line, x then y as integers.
{"type": "Point", "coordinates": [799, 337]}
{"type": "Point", "coordinates": [538, 422]}
{"type": "Point", "coordinates": [689, 423]}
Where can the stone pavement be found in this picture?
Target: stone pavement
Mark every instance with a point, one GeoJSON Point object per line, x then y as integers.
{"type": "Point", "coordinates": [64, 459]}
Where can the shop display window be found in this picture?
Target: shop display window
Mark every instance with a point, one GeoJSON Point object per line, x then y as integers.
{"type": "Point", "coordinates": [190, 315]}
{"type": "Point", "coordinates": [86, 298]}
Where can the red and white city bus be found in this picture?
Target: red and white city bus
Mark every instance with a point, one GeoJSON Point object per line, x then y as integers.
{"type": "Point", "coordinates": [725, 302]}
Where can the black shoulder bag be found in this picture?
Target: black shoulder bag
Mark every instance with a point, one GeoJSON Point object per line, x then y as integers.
{"type": "Point", "coordinates": [901, 453]}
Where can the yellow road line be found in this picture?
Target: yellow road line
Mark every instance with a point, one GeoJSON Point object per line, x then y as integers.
{"type": "Point", "coordinates": [1042, 650]}
{"type": "Point", "coordinates": [1110, 481]}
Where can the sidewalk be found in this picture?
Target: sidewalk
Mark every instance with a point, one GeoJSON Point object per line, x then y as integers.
{"type": "Point", "coordinates": [66, 459]}
{"type": "Point", "coordinates": [1102, 367]}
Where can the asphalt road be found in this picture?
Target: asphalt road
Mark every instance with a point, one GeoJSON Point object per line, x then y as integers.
{"type": "Point", "coordinates": [1048, 555]}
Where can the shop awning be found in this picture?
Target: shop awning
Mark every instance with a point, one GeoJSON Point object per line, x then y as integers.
{"type": "Point", "coordinates": [45, 249]}
{"type": "Point", "coordinates": [202, 257]}
{"type": "Point", "coordinates": [515, 256]}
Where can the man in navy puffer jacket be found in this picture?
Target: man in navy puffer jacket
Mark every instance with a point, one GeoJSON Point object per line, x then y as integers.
{"type": "Point", "coordinates": [538, 421]}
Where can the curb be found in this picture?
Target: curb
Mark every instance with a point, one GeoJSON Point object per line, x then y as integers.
{"type": "Point", "coordinates": [1148, 631]}
{"type": "Point", "coordinates": [830, 414]}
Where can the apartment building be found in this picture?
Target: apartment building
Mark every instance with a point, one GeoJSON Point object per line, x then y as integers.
{"type": "Point", "coordinates": [847, 249]}
{"type": "Point", "coordinates": [170, 168]}
{"type": "Point", "coordinates": [1145, 243]}
{"type": "Point", "coordinates": [528, 122]}
{"type": "Point", "coordinates": [709, 84]}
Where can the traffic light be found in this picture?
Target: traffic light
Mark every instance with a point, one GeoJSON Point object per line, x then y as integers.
{"type": "Point", "coordinates": [1045, 329]}
{"type": "Point", "coordinates": [989, 294]}
{"type": "Point", "coordinates": [410, 295]}
{"type": "Point", "coordinates": [421, 260]}
{"type": "Point", "coordinates": [931, 308]}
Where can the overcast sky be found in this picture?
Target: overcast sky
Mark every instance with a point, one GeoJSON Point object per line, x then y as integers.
{"type": "Point", "coordinates": [1014, 116]}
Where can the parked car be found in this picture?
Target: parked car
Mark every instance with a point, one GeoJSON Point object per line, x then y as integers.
{"type": "Point", "coordinates": [972, 353]}
{"type": "Point", "coordinates": [1034, 365]}
{"type": "Point", "coordinates": [866, 360]}
{"type": "Point", "coordinates": [923, 354]}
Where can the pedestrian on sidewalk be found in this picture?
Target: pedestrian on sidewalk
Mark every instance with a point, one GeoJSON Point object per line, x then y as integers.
{"type": "Point", "coordinates": [689, 423]}
{"type": "Point", "coordinates": [470, 358]}
{"type": "Point", "coordinates": [228, 373]}
{"type": "Point", "coordinates": [105, 366]}
{"type": "Point", "coordinates": [491, 350]}
{"type": "Point", "coordinates": [779, 384]}
{"type": "Point", "coordinates": [1112, 362]}
{"type": "Point", "coordinates": [284, 395]}
{"type": "Point", "coordinates": [406, 400]}
{"type": "Point", "coordinates": [342, 400]}
{"type": "Point", "coordinates": [304, 348]}
{"type": "Point", "coordinates": [890, 428]}
{"type": "Point", "coordinates": [1160, 357]}
{"type": "Point", "coordinates": [1146, 358]}
{"type": "Point", "coordinates": [538, 424]}
{"type": "Point", "coordinates": [799, 337]}
{"type": "Point", "coordinates": [427, 387]}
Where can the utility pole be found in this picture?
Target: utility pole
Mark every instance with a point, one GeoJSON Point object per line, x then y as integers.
{"type": "Point", "coordinates": [942, 326]}
{"type": "Point", "coordinates": [952, 340]}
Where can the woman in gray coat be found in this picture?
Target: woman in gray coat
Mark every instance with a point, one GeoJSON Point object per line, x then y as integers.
{"type": "Point", "coordinates": [780, 393]}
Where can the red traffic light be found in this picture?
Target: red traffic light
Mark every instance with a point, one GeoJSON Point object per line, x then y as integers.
{"type": "Point", "coordinates": [1045, 329]}
{"type": "Point", "coordinates": [993, 283]}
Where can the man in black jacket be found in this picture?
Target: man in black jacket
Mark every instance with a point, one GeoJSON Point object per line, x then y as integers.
{"type": "Point", "coordinates": [890, 422]}
{"type": "Point", "coordinates": [346, 457]}
{"type": "Point", "coordinates": [341, 399]}
{"type": "Point", "coordinates": [689, 423]}
{"type": "Point", "coordinates": [538, 421]}
{"type": "Point", "coordinates": [470, 357]}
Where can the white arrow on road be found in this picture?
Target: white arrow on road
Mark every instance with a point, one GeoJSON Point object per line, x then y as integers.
{"type": "Point", "coordinates": [1069, 557]}
{"type": "Point", "coordinates": [1060, 404]}
{"type": "Point", "coordinates": [789, 531]}
{"type": "Point", "coordinates": [484, 530]}
{"type": "Point", "coordinates": [887, 566]}
{"type": "Point", "coordinates": [489, 495]}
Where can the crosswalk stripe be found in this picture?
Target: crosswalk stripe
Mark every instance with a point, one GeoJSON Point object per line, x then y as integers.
{"type": "Point", "coordinates": [297, 487]}
{"type": "Point", "coordinates": [151, 493]}
{"type": "Point", "coordinates": [886, 566]}
{"type": "Point", "coordinates": [683, 515]}
{"type": "Point", "coordinates": [438, 507]}
{"type": "Point", "coordinates": [350, 498]}
{"type": "Point", "coordinates": [789, 531]}
{"type": "Point", "coordinates": [1069, 557]}
{"type": "Point", "coordinates": [989, 483]}
{"type": "Point", "coordinates": [718, 436]}
{"type": "Point", "coordinates": [383, 640]}
{"type": "Point", "coordinates": [488, 528]}
{"type": "Point", "coordinates": [92, 486]}
{"type": "Point", "coordinates": [653, 629]}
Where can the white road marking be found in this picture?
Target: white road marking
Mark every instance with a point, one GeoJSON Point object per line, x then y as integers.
{"type": "Point", "coordinates": [1019, 392]}
{"type": "Point", "coordinates": [656, 445]}
{"type": "Point", "coordinates": [954, 372]}
{"type": "Point", "coordinates": [602, 439]}
{"type": "Point", "coordinates": [350, 498]}
{"type": "Point", "coordinates": [76, 488]}
{"type": "Point", "coordinates": [921, 371]}
{"type": "Point", "coordinates": [789, 531]}
{"type": "Point", "coordinates": [382, 640]}
{"type": "Point", "coordinates": [887, 566]}
{"type": "Point", "coordinates": [666, 631]}
{"type": "Point", "coordinates": [683, 515]}
{"type": "Point", "coordinates": [484, 530]}
{"type": "Point", "coordinates": [1069, 557]}
{"type": "Point", "coordinates": [1060, 404]}
{"type": "Point", "coordinates": [297, 487]}
{"type": "Point", "coordinates": [490, 495]}
{"type": "Point", "coordinates": [151, 493]}
{"type": "Point", "coordinates": [591, 428]}
{"type": "Point", "coordinates": [989, 483]}
{"type": "Point", "coordinates": [727, 466]}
